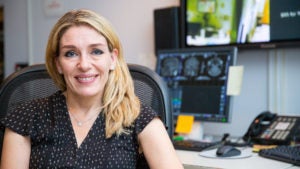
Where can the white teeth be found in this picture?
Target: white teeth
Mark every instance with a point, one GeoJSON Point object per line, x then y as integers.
{"type": "Point", "coordinates": [85, 78]}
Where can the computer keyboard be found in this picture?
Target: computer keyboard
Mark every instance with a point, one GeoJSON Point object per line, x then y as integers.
{"type": "Point", "coordinates": [193, 145]}
{"type": "Point", "coordinates": [289, 154]}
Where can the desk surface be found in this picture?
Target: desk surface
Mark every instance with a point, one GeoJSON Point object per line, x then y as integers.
{"type": "Point", "coordinates": [193, 160]}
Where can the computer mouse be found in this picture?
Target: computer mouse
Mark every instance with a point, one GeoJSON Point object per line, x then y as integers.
{"type": "Point", "coordinates": [227, 151]}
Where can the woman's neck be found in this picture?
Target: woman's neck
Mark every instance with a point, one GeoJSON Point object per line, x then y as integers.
{"type": "Point", "coordinates": [86, 105]}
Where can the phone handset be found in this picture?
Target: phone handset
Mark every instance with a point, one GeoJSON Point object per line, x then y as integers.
{"type": "Point", "coordinates": [258, 125]}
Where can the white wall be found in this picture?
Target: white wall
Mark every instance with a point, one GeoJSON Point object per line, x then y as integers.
{"type": "Point", "coordinates": [15, 34]}
{"type": "Point", "coordinates": [271, 77]}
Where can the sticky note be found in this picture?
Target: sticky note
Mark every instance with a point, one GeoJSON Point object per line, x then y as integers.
{"type": "Point", "coordinates": [235, 78]}
{"type": "Point", "coordinates": [184, 124]}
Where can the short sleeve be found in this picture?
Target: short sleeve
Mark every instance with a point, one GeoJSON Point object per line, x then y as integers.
{"type": "Point", "coordinates": [146, 115]}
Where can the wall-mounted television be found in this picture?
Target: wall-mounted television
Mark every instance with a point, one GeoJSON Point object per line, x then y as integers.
{"type": "Point", "coordinates": [243, 23]}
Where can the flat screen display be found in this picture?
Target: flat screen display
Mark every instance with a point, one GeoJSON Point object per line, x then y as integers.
{"type": "Point", "coordinates": [197, 81]}
{"type": "Point", "coordinates": [244, 23]}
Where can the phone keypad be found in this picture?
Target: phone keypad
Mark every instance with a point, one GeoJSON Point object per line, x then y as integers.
{"type": "Point", "coordinates": [279, 129]}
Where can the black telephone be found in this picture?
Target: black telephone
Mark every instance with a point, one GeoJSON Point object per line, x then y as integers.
{"type": "Point", "coordinates": [269, 128]}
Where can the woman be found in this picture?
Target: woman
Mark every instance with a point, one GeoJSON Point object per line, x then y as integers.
{"type": "Point", "coordinates": [95, 120]}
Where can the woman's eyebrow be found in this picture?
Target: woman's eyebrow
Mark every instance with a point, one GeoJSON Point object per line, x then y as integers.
{"type": "Point", "coordinates": [96, 44]}
{"type": "Point", "coordinates": [74, 47]}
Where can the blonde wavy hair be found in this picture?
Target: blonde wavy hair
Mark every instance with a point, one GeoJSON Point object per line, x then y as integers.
{"type": "Point", "coordinates": [120, 104]}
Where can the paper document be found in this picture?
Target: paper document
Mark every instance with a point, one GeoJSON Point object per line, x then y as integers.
{"type": "Point", "coordinates": [235, 78]}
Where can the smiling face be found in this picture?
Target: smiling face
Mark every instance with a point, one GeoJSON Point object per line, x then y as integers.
{"type": "Point", "coordinates": [85, 61]}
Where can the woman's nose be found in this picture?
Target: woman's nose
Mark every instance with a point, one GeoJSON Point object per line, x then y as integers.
{"type": "Point", "coordinates": [84, 62]}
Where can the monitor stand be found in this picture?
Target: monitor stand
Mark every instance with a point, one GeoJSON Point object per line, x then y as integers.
{"type": "Point", "coordinates": [197, 131]}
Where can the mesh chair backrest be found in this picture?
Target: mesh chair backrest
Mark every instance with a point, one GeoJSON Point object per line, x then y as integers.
{"type": "Point", "coordinates": [30, 83]}
{"type": "Point", "coordinates": [153, 92]}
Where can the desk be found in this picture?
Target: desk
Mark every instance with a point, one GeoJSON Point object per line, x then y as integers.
{"type": "Point", "coordinates": [192, 160]}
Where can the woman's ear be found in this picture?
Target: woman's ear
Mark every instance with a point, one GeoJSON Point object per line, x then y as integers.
{"type": "Point", "coordinates": [58, 66]}
{"type": "Point", "coordinates": [114, 57]}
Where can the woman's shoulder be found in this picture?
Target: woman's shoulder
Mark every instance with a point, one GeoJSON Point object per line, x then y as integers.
{"type": "Point", "coordinates": [146, 115]}
{"type": "Point", "coordinates": [147, 111]}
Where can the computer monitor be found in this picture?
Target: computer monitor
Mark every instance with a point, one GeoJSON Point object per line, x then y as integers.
{"type": "Point", "coordinates": [197, 80]}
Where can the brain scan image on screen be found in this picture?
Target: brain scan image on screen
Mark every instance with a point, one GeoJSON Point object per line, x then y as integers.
{"type": "Point", "coordinates": [191, 67]}
{"type": "Point", "coordinates": [215, 67]}
{"type": "Point", "coordinates": [170, 67]}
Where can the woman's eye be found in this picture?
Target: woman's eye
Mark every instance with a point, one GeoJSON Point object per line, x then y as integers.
{"type": "Point", "coordinates": [70, 54]}
{"type": "Point", "coordinates": [97, 52]}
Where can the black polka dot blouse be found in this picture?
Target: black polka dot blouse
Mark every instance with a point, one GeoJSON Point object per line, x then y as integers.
{"type": "Point", "coordinates": [53, 144]}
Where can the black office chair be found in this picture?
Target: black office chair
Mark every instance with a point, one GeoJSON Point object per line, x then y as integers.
{"type": "Point", "coordinates": [34, 82]}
